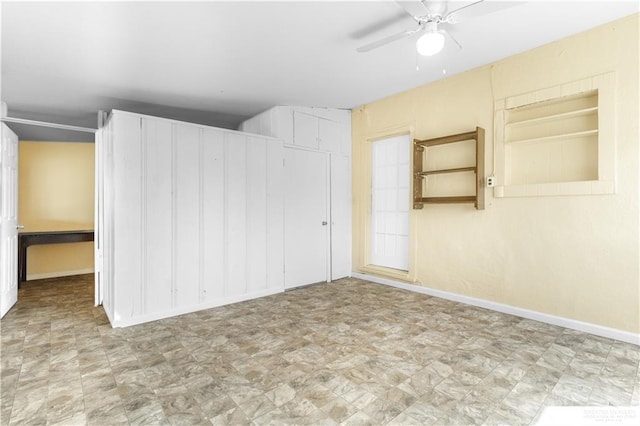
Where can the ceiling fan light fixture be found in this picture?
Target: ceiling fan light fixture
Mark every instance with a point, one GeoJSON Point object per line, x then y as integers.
{"type": "Point", "coordinates": [430, 43]}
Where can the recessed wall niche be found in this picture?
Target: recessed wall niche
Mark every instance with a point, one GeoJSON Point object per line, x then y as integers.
{"type": "Point", "coordinates": [557, 141]}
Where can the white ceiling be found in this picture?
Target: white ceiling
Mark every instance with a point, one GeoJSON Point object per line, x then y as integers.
{"type": "Point", "coordinates": [218, 63]}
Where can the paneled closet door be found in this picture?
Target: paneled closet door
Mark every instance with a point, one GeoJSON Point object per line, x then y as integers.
{"type": "Point", "coordinates": [306, 218]}
{"type": "Point", "coordinates": [340, 216]}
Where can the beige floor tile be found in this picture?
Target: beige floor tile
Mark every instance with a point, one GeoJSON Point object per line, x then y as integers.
{"type": "Point", "coordinates": [349, 352]}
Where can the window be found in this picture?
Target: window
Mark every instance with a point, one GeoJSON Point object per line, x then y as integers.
{"type": "Point", "coordinates": [557, 141]}
{"type": "Point", "coordinates": [390, 202]}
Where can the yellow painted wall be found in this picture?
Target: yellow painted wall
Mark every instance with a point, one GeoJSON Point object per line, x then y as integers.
{"type": "Point", "coordinates": [575, 257]}
{"type": "Point", "coordinates": [56, 192]}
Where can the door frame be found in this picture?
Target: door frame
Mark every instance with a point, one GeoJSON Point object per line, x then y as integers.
{"type": "Point", "coordinates": [102, 116]}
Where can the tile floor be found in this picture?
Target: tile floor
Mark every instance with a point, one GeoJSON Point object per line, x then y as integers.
{"type": "Point", "coordinates": [350, 352]}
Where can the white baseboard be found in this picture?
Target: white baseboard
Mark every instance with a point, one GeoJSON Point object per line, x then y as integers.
{"type": "Point", "coordinates": [117, 322]}
{"type": "Point", "coordinates": [59, 274]}
{"type": "Point", "coordinates": [586, 327]}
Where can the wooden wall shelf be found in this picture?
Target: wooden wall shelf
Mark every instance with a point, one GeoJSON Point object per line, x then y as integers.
{"type": "Point", "coordinates": [419, 147]}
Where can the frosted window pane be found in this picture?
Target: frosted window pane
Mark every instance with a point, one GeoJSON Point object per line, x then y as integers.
{"type": "Point", "coordinates": [390, 204]}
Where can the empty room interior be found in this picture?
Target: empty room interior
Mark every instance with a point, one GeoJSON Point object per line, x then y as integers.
{"type": "Point", "coordinates": [320, 212]}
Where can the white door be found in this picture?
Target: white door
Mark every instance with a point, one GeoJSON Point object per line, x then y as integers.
{"type": "Point", "coordinates": [8, 220]}
{"type": "Point", "coordinates": [390, 202]}
{"type": "Point", "coordinates": [306, 218]}
{"type": "Point", "coordinates": [98, 222]}
{"type": "Point", "coordinates": [340, 216]}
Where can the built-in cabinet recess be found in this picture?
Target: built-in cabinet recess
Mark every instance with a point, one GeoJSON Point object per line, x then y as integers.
{"type": "Point", "coordinates": [552, 141]}
{"type": "Point", "coordinates": [557, 141]}
{"type": "Point", "coordinates": [475, 171]}
{"type": "Point", "coordinates": [317, 145]}
{"type": "Point", "coordinates": [192, 217]}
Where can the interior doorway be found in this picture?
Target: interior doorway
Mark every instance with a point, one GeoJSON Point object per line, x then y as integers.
{"type": "Point", "coordinates": [55, 221]}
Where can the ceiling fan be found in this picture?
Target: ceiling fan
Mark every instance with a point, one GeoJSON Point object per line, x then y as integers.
{"type": "Point", "coordinates": [429, 15]}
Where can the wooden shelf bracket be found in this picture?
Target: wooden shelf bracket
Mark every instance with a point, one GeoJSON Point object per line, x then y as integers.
{"type": "Point", "coordinates": [419, 174]}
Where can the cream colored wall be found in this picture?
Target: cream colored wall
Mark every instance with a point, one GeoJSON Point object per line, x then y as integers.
{"type": "Point", "coordinates": [570, 256]}
{"type": "Point", "coordinates": [56, 192]}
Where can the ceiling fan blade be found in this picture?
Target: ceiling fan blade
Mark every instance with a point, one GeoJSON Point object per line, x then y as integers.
{"type": "Point", "coordinates": [459, 14]}
{"type": "Point", "coordinates": [379, 25]}
{"type": "Point", "coordinates": [448, 34]}
{"type": "Point", "coordinates": [387, 40]}
{"type": "Point", "coordinates": [475, 9]}
{"type": "Point", "coordinates": [413, 7]}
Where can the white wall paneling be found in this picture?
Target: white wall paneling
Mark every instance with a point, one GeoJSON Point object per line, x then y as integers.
{"type": "Point", "coordinates": [186, 214]}
{"type": "Point", "coordinates": [236, 230]}
{"type": "Point", "coordinates": [329, 136]}
{"type": "Point", "coordinates": [274, 237]}
{"type": "Point", "coordinates": [305, 130]}
{"type": "Point", "coordinates": [213, 229]}
{"type": "Point", "coordinates": [158, 228]}
{"type": "Point", "coordinates": [256, 208]}
{"type": "Point", "coordinates": [193, 217]}
{"type": "Point", "coordinates": [327, 133]}
{"type": "Point", "coordinates": [127, 214]}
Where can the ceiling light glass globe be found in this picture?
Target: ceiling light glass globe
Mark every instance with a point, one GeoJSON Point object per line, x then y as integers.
{"type": "Point", "coordinates": [430, 44]}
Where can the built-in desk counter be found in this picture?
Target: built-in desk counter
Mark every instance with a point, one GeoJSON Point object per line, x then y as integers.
{"type": "Point", "coordinates": [26, 239]}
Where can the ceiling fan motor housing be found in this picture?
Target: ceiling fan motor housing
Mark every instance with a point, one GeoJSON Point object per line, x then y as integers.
{"type": "Point", "coordinates": [431, 26]}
